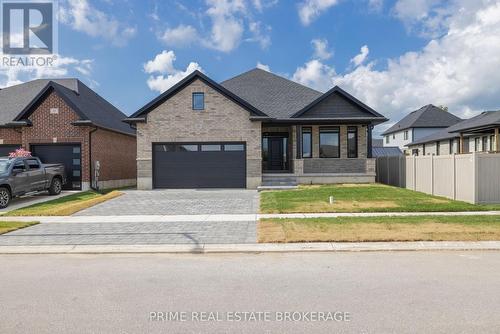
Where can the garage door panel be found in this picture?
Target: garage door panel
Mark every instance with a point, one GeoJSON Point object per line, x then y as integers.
{"type": "Point", "coordinates": [199, 169]}
{"type": "Point", "coordinates": [68, 155]}
{"type": "Point", "coordinates": [5, 149]}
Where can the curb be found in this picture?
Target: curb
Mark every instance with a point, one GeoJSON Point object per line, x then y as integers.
{"type": "Point", "coordinates": [254, 248]}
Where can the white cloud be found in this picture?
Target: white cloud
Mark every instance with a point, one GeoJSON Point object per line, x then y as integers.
{"type": "Point", "coordinates": [458, 70]}
{"type": "Point", "coordinates": [263, 67]}
{"type": "Point", "coordinates": [227, 28]}
{"type": "Point", "coordinates": [321, 49]}
{"type": "Point", "coordinates": [260, 5]}
{"type": "Point", "coordinates": [63, 67]}
{"type": "Point", "coordinates": [163, 73]}
{"type": "Point", "coordinates": [427, 17]}
{"type": "Point", "coordinates": [315, 74]}
{"type": "Point", "coordinates": [258, 35]}
{"type": "Point", "coordinates": [361, 57]}
{"type": "Point", "coordinates": [81, 16]}
{"type": "Point", "coordinates": [309, 10]}
{"type": "Point", "coordinates": [182, 35]}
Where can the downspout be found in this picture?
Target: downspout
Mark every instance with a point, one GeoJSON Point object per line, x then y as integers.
{"type": "Point", "coordinates": [90, 159]}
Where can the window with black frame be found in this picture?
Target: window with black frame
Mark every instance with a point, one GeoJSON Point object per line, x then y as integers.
{"type": "Point", "coordinates": [329, 142]}
{"type": "Point", "coordinates": [306, 142]}
{"type": "Point", "coordinates": [352, 142]}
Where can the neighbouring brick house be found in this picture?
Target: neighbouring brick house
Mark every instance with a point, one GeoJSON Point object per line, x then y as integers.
{"type": "Point", "coordinates": [64, 121]}
{"type": "Point", "coordinates": [255, 129]}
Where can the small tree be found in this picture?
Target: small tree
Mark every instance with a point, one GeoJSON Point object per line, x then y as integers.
{"type": "Point", "coordinates": [20, 153]}
{"type": "Point", "coordinates": [443, 108]}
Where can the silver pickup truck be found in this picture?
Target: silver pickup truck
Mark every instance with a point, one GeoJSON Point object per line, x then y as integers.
{"type": "Point", "coordinates": [19, 176]}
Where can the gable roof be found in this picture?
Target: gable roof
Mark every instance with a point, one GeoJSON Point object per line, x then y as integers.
{"type": "Point", "coordinates": [275, 96]}
{"type": "Point", "coordinates": [363, 112]}
{"type": "Point", "coordinates": [428, 116]}
{"type": "Point", "coordinates": [186, 81]}
{"type": "Point", "coordinates": [19, 101]}
{"type": "Point", "coordinates": [484, 120]}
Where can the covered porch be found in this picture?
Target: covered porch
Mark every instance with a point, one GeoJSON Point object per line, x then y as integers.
{"type": "Point", "coordinates": [316, 153]}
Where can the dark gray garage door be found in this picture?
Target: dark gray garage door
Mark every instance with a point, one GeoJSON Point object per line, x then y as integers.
{"type": "Point", "coordinates": [199, 165]}
{"type": "Point", "coordinates": [6, 149]}
{"type": "Point", "coordinates": [67, 154]}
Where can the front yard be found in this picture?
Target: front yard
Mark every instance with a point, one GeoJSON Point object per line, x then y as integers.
{"type": "Point", "coordinates": [358, 229]}
{"type": "Point", "coordinates": [67, 205]}
{"type": "Point", "coordinates": [359, 198]}
{"type": "Point", "coordinates": [12, 226]}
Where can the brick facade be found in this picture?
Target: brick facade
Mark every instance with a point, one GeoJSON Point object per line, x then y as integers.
{"type": "Point", "coordinates": [175, 121]}
{"type": "Point", "coordinates": [50, 127]}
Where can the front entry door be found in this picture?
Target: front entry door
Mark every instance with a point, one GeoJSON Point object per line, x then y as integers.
{"type": "Point", "coordinates": [275, 153]}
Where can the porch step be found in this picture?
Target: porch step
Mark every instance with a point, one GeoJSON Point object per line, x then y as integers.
{"type": "Point", "coordinates": [279, 181]}
{"type": "Point", "coordinates": [276, 188]}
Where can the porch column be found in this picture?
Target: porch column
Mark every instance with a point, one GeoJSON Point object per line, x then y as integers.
{"type": "Point", "coordinates": [461, 144]}
{"type": "Point", "coordinates": [497, 140]}
{"type": "Point", "coordinates": [298, 141]}
{"type": "Point", "coordinates": [369, 142]}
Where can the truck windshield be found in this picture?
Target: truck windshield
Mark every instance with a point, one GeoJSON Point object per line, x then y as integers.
{"type": "Point", "coordinates": [4, 165]}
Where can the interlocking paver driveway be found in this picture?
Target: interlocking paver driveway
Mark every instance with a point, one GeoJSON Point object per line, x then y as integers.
{"type": "Point", "coordinates": [132, 233]}
{"type": "Point", "coordinates": [156, 202]}
{"type": "Point", "coordinates": [178, 202]}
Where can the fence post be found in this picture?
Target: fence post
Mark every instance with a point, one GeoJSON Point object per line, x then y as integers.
{"type": "Point", "coordinates": [454, 176]}
{"type": "Point", "coordinates": [432, 174]}
{"type": "Point", "coordinates": [414, 176]}
{"type": "Point", "coordinates": [475, 176]}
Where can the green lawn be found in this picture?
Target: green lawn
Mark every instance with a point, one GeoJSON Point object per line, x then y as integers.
{"type": "Point", "coordinates": [66, 205]}
{"type": "Point", "coordinates": [359, 198]}
{"type": "Point", "coordinates": [12, 226]}
{"type": "Point", "coordinates": [357, 229]}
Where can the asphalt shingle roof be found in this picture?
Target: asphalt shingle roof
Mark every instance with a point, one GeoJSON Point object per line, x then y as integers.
{"type": "Point", "coordinates": [386, 152]}
{"type": "Point", "coordinates": [487, 118]}
{"type": "Point", "coordinates": [14, 100]}
{"type": "Point", "coordinates": [428, 116]}
{"type": "Point", "coordinates": [275, 96]}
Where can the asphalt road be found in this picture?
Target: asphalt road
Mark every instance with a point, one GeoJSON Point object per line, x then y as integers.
{"type": "Point", "coordinates": [402, 292]}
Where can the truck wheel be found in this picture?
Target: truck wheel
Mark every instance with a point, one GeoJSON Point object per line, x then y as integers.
{"type": "Point", "coordinates": [55, 186]}
{"type": "Point", "coordinates": [4, 197]}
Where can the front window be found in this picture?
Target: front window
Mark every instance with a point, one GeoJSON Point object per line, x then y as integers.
{"type": "Point", "coordinates": [476, 144]}
{"type": "Point", "coordinates": [329, 140]}
{"type": "Point", "coordinates": [406, 135]}
{"type": "Point", "coordinates": [451, 146]}
{"type": "Point", "coordinates": [352, 142]}
{"type": "Point", "coordinates": [198, 101]}
{"type": "Point", "coordinates": [492, 140]}
{"type": "Point", "coordinates": [485, 144]}
{"type": "Point", "coordinates": [387, 139]}
{"type": "Point", "coordinates": [306, 143]}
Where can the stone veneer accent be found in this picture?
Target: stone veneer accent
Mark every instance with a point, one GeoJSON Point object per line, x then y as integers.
{"type": "Point", "coordinates": [175, 121]}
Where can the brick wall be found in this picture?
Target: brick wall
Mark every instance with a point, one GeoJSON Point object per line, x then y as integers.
{"type": "Point", "coordinates": [175, 121]}
{"type": "Point", "coordinates": [10, 136]}
{"type": "Point", "coordinates": [116, 154]}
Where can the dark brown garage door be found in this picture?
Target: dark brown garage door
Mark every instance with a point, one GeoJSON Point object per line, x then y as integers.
{"type": "Point", "coordinates": [67, 154]}
{"type": "Point", "coordinates": [199, 165]}
{"type": "Point", "coordinates": [6, 149]}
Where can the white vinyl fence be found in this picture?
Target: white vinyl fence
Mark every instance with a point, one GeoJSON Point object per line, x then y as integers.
{"type": "Point", "coordinates": [473, 178]}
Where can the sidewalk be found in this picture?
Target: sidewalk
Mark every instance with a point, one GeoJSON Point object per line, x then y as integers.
{"type": "Point", "coordinates": [256, 248]}
{"type": "Point", "coordinates": [230, 217]}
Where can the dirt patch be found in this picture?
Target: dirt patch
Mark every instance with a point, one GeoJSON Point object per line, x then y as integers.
{"type": "Point", "coordinates": [270, 232]}
{"type": "Point", "coordinates": [438, 200]}
{"type": "Point", "coordinates": [358, 232]}
{"type": "Point", "coordinates": [343, 206]}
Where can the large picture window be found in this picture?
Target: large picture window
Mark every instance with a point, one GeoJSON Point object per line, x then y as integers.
{"type": "Point", "coordinates": [329, 140]}
{"type": "Point", "coordinates": [352, 142]}
{"type": "Point", "coordinates": [306, 143]}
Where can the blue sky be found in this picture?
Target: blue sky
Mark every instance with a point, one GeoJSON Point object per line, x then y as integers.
{"type": "Point", "coordinates": [394, 55]}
